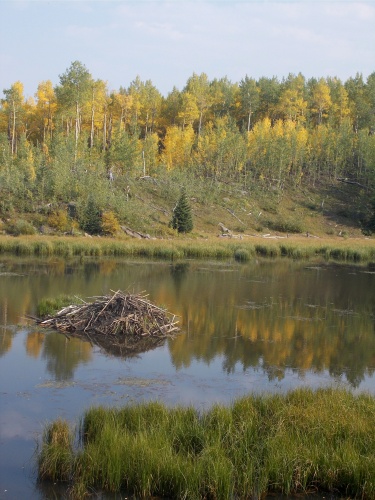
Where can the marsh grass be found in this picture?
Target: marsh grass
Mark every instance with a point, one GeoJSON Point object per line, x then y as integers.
{"type": "Point", "coordinates": [56, 458]}
{"type": "Point", "coordinates": [283, 444]}
{"type": "Point", "coordinates": [297, 247]}
{"type": "Point", "coordinates": [50, 306]}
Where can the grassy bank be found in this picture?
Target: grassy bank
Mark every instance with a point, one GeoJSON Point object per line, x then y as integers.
{"type": "Point", "coordinates": [296, 247]}
{"type": "Point", "coordinates": [299, 442]}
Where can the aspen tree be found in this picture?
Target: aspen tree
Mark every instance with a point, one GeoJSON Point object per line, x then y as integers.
{"type": "Point", "coordinates": [321, 100]}
{"type": "Point", "coordinates": [73, 92]}
{"type": "Point", "coordinates": [14, 100]}
{"type": "Point", "coordinates": [249, 98]}
{"type": "Point", "coordinates": [46, 107]}
{"type": "Point", "coordinates": [199, 87]}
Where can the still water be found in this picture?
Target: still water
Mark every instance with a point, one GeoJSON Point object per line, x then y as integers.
{"type": "Point", "coordinates": [261, 326]}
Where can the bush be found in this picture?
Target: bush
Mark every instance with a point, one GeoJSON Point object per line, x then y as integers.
{"type": "Point", "coordinates": [59, 220]}
{"type": "Point", "coordinates": [20, 226]}
{"type": "Point", "coordinates": [286, 225]}
{"type": "Point", "coordinates": [110, 224]}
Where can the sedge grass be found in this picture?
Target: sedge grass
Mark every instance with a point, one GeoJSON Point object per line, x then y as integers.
{"type": "Point", "coordinates": [282, 444]}
{"type": "Point", "coordinates": [341, 250]}
{"type": "Point", "coordinates": [50, 306]}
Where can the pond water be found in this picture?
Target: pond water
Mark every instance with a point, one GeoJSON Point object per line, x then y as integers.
{"type": "Point", "coordinates": [260, 326]}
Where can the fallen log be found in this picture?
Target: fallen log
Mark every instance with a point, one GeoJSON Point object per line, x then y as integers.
{"type": "Point", "coordinates": [224, 229]}
{"type": "Point", "coordinates": [135, 234]}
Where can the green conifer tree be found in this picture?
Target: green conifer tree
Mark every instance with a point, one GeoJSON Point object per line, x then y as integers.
{"type": "Point", "coordinates": [182, 219]}
{"type": "Point", "coordinates": [92, 220]}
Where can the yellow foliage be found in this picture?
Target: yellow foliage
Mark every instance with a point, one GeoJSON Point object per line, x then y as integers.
{"type": "Point", "coordinates": [59, 220]}
{"type": "Point", "coordinates": [177, 146]}
{"type": "Point", "coordinates": [110, 223]}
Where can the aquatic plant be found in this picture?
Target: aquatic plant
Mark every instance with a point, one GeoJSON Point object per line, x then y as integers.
{"type": "Point", "coordinates": [358, 251]}
{"type": "Point", "coordinates": [302, 441]}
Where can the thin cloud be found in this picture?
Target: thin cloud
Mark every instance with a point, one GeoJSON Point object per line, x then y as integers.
{"type": "Point", "coordinates": [166, 41]}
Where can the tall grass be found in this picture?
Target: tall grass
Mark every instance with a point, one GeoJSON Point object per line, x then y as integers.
{"type": "Point", "coordinates": [280, 444]}
{"type": "Point", "coordinates": [359, 251]}
{"type": "Point", "coordinates": [48, 306]}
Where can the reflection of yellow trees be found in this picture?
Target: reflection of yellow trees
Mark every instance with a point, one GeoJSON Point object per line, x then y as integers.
{"type": "Point", "coordinates": [107, 267]}
{"type": "Point", "coordinates": [63, 355]}
{"type": "Point", "coordinates": [34, 342]}
{"type": "Point", "coordinates": [277, 315]}
{"type": "Point", "coordinates": [6, 338]}
{"type": "Point", "coordinates": [302, 329]}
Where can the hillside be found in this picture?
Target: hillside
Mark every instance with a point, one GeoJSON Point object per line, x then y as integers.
{"type": "Point", "coordinates": [337, 209]}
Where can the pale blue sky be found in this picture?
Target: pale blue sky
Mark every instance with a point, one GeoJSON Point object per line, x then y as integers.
{"type": "Point", "coordinates": [166, 41]}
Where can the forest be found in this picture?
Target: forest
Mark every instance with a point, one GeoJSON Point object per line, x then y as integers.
{"type": "Point", "coordinates": [78, 149]}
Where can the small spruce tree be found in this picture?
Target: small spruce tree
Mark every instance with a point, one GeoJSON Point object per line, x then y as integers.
{"type": "Point", "coordinates": [182, 219]}
{"type": "Point", "coordinates": [92, 220]}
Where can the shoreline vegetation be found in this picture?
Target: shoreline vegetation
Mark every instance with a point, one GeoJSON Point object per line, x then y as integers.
{"type": "Point", "coordinates": [291, 156]}
{"type": "Point", "coordinates": [301, 442]}
{"type": "Point", "coordinates": [356, 250]}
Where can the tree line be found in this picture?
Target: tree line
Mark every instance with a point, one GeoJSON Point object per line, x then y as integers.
{"type": "Point", "coordinates": [267, 131]}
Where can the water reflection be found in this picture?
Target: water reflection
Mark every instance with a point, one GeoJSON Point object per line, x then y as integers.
{"type": "Point", "coordinates": [269, 316]}
{"type": "Point", "coordinates": [301, 320]}
{"type": "Point", "coordinates": [63, 355]}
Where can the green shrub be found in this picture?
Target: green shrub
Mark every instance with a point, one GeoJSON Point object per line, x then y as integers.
{"type": "Point", "coordinates": [285, 225]}
{"type": "Point", "coordinates": [20, 227]}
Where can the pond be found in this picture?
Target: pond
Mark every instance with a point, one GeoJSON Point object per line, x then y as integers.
{"type": "Point", "coordinates": [256, 327]}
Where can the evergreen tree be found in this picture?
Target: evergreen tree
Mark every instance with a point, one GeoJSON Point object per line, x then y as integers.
{"type": "Point", "coordinates": [92, 220]}
{"type": "Point", "coordinates": [182, 219]}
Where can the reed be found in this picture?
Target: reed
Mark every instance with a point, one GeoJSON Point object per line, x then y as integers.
{"type": "Point", "coordinates": [56, 459]}
{"type": "Point", "coordinates": [282, 444]}
{"type": "Point", "coordinates": [296, 247]}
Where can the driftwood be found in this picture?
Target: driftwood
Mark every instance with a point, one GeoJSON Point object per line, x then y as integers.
{"type": "Point", "coordinates": [135, 234]}
{"type": "Point", "coordinates": [120, 322]}
{"type": "Point", "coordinates": [224, 229]}
{"type": "Point", "coordinates": [234, 215]}
{"type": "Point", "coordinates": [347, 181]}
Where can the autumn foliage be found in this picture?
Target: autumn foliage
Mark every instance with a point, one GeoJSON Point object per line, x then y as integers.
{"type": "Point", "coordinates": [66, 142]}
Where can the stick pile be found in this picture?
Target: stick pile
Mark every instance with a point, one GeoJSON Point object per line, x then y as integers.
{"type": "Point", "coordinates": [117, 317]}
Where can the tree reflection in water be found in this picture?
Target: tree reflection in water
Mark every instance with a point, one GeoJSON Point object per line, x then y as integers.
{"type": "Point", "coordinates": [270, 316]}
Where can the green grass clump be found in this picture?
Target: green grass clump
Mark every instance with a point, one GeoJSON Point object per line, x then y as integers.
{"type": "Point", "coordinates": [242, 255]}
{"type": "Point", "coordinates": [56, 458]}
{"type": "Point", "coordinates": [48, 306]}
{"type": "Point", "coordinates": [296, 247]}
{"type": "Point", "coordinates": [282, 444]}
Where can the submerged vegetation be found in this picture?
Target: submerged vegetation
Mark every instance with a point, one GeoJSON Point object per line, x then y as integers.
{"type": "Point", "coordinates": [301, 442]}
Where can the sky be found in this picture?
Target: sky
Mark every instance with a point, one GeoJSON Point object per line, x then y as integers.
{"type": "Point", "coordinates": [167, 41]}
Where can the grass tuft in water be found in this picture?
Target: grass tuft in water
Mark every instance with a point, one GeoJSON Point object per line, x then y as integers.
{"type": "Point", "coordinates": [56, 459]}
{"type": "Point", "coordinates": [282, 444]}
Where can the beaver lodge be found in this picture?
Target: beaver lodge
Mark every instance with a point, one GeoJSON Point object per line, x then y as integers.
{"type": "Point", "coordinates": [120, 323]}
